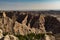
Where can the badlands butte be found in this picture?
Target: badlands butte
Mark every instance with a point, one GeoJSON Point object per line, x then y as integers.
{"type": "Point", "coordinates": [26, 22]}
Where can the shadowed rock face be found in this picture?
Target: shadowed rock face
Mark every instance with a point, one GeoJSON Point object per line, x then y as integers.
{"type": "Point", "coordinates": [9, 14]}
{"type": "Point", "coordinates": [20, 18]}
{"type": "Point", "coordinates": [52, 24]}
{"type": "Point", "coordinates": [34, 20]}
{"type": "Point", "coordinates": [1, 14]}
{"type": "Point", "coordinates": [29, 19]}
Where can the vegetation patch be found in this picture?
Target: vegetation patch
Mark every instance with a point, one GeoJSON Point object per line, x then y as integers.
{"type": "Point", "coordinates": [31, 36]}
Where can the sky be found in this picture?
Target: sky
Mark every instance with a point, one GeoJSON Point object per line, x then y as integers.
{"type": "Point", "coordinates": [29, 4]}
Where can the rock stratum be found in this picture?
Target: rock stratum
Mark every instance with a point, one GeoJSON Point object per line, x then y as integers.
{"type": "Point", "coordinates": [23, 23]}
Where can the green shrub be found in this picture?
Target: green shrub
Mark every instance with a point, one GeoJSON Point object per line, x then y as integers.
{"type": "Point", "coordinates": [30, 36]}
{"type": "Point", "coordinates": [39, 36]}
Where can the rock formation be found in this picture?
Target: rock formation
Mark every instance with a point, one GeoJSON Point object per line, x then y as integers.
{"type": "Point", "coordinates": [7, 37]}
{"type": "Point", "coordinates": [1, 34]}
{"type": "Point", "coordinates": [10, 37]}
{"type": "Point", "coordinates": [42, 21]}
{"type": "Point", "coordinates": [24, 24]}
{"type": "Point", "coordinates": [25, 20]}
{"type": "Point", "coordinates": [49, 37]}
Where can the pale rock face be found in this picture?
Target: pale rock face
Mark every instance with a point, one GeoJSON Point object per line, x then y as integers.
{"type": "Point", "coordinates": [1, 34]}
{"type": "Point", "coordinates": [4, 14]}
{"type": "Point", "coordinates": [24, 29]}
{"type": "Point", "coordinates": [25, 20]}
{"type": "Point", "coordinates": [18, 28]}
{"type": "Point", "coordinates": [47, 37]}
{"type": "Point", "coordinates": [10, 37]}
{"type": "Point", "coordinates": [21, 28]}
{"type": "Point", "coordinates": [14, 38]}
{"type": "Point", "coordinates": [28, 24]}
{"type": "Point", "coordinates": [42, 20]}
{"type": "Point", "coordinates": [33, 30]}
{"type": "Point", "coordinates": [1, 31]}
{"type": "Point", "coordinates": [52, 37]}
{"type": "Point", "coordinates": [7, 37]}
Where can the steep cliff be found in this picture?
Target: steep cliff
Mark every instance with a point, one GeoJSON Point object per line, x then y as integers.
{"type": "Point", "coordinates": [24, 23]}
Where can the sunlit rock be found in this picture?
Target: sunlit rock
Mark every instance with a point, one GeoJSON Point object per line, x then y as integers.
{"type": "Point", "coordinates": [4, 15]}
{"type": "Point", "coordinates": [12, 37]}
{"type": "Point", "coordinates": [7, 37]}
{"type": "Point", "coordinates": [25, 20]}
{"type": "Point", "coordinates": [47, 37]}
{"type": "Point", "coordinates": [1, 34]}
{"type": "Point", "coordinates": [42, 21]}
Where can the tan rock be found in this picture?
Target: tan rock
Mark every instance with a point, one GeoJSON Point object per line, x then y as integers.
{"type": "Point", "coordinates": [42, 20]}
{"type": "Point", "coordinates": [1, 34]}
{"type": "Point", "coordinates": [4, 15]}
{"type": "Point", "coordinates": [25, 20]}
{"type": "Point", "coordinates": [12, 37]}
{"type": "Point", "coordinates": [33, 30]}
{"type": "Point", "coordinates": [47, 37]}
{"type": "Point", "coordinates": [7, 37]}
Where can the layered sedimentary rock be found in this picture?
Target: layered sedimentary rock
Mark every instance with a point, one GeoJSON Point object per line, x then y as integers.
{"type": "Point", "coordinates": [25, 23]}
{"type": "Point", "coordinates": [8, 25]}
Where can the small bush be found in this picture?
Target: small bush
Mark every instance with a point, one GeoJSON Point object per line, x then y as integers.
{"type": "Point", "coordinates": [39, 36]}
{"type": "Point", "coordinates": [31, 36]}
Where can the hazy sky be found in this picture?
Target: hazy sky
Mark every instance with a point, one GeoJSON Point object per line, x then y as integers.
{"type": "Point", "coordinates": [29, 4]}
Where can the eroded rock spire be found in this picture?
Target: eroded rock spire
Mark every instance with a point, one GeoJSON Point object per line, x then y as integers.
{"type": "Point", "coordinates": [25, 20]}
{"type": "Point", "coordinates": [42, 20]}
